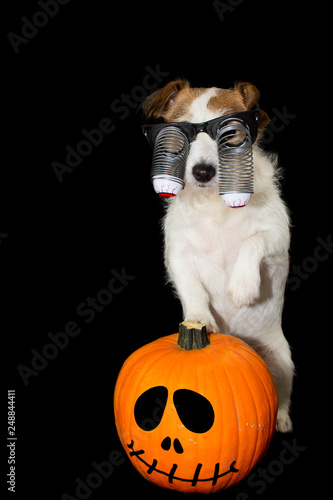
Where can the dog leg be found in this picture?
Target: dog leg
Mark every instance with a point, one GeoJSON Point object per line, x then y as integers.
{"type": "Point", "coordinates": [196, 304]}
{"type": "Point", "coordinates": [192, 294]}
{"type": "Point", "coordinates": [277, 356]}
{"type": "Point", "coordinates": [244, 285]}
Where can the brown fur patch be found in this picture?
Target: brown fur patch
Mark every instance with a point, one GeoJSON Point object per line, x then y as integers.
{"type": "Point", "coordinates": [157, 104]}
{"type": "Point", "coordinates": [226, 99]}
{"type": "Point", "coordinates": [244, 96]}
{"type": "Point", "coordinates": [181, 105]}
{"type": "Point", "coordinates": [173, 101]}
{"type": "Point", "coordinates": [249, 92]}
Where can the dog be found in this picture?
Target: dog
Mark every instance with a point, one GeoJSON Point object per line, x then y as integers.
{"type": "Point", "coordinates": [228, 265]}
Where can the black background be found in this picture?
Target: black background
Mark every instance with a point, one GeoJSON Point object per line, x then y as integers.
{"type": "Point", "coordinates": [61, 240]}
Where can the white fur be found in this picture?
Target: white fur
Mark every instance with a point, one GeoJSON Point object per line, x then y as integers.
{"type": "Point", "coordinates": [229, 266]}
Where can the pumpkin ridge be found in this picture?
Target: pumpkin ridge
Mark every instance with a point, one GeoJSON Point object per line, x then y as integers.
{"type": "Point", "coordinates": [234, 366]}
{"type": "Point", "coordinates": [255, 408]}
{"type": "Point", "coordinates": [234, 400]}
{"type": "Point", "coordinates": [257, 358]}
{"type": "Point", "coordinates": [127, 367]}
{"type": "Point", "coordinates": [217, 381]}
{"type": "Point", "coordinates": [144, 364]}
{"type": "Point", "coordinates": [145, 351]}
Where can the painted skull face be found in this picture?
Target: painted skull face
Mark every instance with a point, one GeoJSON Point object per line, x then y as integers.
{"type": "Point", "coordinates": [195, 414]}
{"type": "Point", "coordinates": [197, 420]}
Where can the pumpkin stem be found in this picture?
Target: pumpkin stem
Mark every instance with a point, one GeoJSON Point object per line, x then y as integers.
{"type": "Point", "coordinates": [192, 335]}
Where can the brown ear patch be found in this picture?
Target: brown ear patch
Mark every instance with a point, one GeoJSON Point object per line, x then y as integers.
{"type": "Point", "coordinates": [249, 92]}
{"type": "Point", "coordinates": [158, 103]}
{"type": "Point", "coordinates": [250, 96]}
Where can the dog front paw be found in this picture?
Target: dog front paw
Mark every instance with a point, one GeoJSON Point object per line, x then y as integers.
{"type": "Point", "coordinates": [204, 319]}
{"type": "Point", "coordinates": [244, 288]}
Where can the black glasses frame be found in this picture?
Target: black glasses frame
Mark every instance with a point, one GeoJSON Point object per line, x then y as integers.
{"type": "Point", "coordinates": [211, 127]}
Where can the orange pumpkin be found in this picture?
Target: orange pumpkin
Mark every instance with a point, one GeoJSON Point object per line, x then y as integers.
{"type": "Point", "coordinates": [195, 416]}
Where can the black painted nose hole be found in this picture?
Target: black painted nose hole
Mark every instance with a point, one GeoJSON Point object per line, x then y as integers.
{"type": "Point", "coordinates": [203, 172]}
{"type": "Point", "coordinates": [166, 444]}
{"type": "Point", "coordinates": [177, 446]}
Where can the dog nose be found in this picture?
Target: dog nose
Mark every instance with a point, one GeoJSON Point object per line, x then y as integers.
{"type": "Point", "coordinates": [203, 172]}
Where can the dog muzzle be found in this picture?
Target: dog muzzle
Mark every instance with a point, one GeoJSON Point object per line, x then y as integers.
{"type": "Point", "coordinates": [234, 135]}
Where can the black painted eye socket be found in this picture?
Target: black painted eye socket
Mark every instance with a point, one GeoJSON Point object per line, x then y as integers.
{"type": "Point", "coordinates": [149, 407]}
{"type": "Point", "coordinates": [194, 410]}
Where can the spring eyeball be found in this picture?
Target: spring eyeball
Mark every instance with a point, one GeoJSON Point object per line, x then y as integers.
{"type": "Point", "coordinates": [167, 188]}
{"type": "Point", "coordinates": [236, 200]}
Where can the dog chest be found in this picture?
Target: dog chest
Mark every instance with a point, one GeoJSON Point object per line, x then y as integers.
{"type": "Point", "coordinates": [206, 241]}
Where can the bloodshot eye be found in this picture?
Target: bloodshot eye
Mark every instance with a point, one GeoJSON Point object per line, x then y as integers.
{"type": "Point", "coordinates": [194, 410]}
{"type": "Point", "coordinates": [149, 407]}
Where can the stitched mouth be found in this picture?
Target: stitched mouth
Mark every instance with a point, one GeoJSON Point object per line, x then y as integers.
{"type": "Point", "coordinates": [171, 474]}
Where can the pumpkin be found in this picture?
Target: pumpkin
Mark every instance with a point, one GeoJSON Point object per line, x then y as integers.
{"type": "Point", "coordinates": [195, 413]}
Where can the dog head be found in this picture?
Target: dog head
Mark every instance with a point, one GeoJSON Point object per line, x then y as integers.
{"type": "Point", "coordinates": [178, 102]}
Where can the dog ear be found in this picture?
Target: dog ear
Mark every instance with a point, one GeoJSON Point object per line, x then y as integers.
{"type": "Point", "coordinates": [264, 120]}
{"type": "Point", "coordinates": [250, 96]}
{"type": "Point", "coordinates": [249, 93]}
{"type": "Point", "coordinates": [155, 105]}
